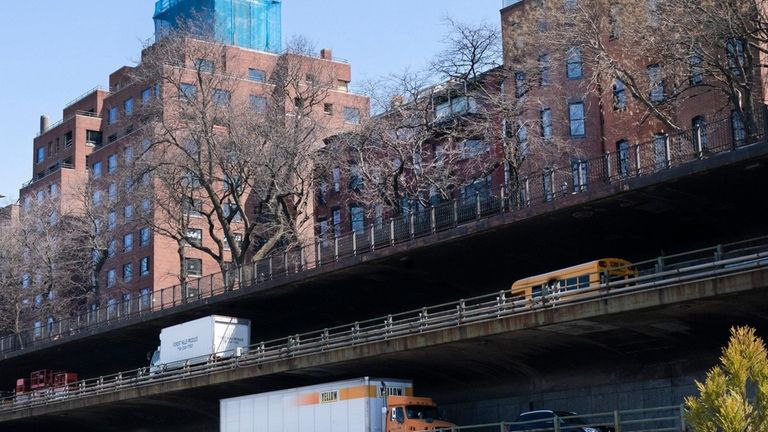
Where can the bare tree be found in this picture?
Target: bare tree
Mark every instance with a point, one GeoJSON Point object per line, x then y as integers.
{"type": "Point", "coordinates": [230, 158]}
{"type": "Point", "coordinates": [42, 272]}
{"type": "Point", "coordinates": [663, 52]}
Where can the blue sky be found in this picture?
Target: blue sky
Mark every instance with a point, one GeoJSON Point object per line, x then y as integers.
{"type": "Point", "coordinates": [54, 51]}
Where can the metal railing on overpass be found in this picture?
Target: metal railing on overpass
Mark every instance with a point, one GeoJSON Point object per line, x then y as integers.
{"type": "Point", "coordinates": [537, 194]}
{"type": "Point", "coordinates": [654, 274]}
{"type": "Point", "coordinates": [657, 419]}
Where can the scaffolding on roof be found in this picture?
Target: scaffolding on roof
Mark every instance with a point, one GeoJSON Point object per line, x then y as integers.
{"type": "Point", "coordinates": [254, 24]}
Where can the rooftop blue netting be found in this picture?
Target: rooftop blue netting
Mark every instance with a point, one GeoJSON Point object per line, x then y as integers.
{"type": "Point", "coordinates": [254, 24]}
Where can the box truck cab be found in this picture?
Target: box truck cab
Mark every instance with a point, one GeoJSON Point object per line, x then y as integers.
{"type": "Point", "coordinates": [355, 405]}
{"type": "Point", "coordinates": [409, 413]}
{"type": "Point", "coordinates": [199, 341]}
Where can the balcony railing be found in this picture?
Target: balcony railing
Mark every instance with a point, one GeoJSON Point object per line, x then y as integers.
{"type": "Point", "coordinates": [533, 192]}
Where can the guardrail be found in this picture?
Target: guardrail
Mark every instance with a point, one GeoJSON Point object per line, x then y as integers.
{"type": "Point", "coordinates": [537, 193]}
{"type": "Point", "coordinates": [654, 274]}
{"type": "Point", "coordinates": [657, 419]}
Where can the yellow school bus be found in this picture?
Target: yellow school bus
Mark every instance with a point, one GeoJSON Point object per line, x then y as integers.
{"type": "Point", "coordinates": [568, 280]}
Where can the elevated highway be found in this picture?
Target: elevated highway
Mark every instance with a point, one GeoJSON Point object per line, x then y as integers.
{"type": "Point", "coordinates": [486, 369]}
{"type": "Point", "coordinates": [672, 318]}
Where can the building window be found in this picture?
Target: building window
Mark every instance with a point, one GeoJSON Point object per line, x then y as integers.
{"type": "Point", "coordinates": [128, 242]}
{"type": "Point", "coordinates": [522, 139]}
{"type": "Point", "coordinates": [322, 231]}
{"type": "Point", "coordinates": [477, 188]}
{"type": "Point", "coordinates": [546, 123]}
{"type": "Point", "coordinates": [473, 147]}
{"type": "Point", "coordinates": [328, 108]}
{"type": "Point", "coordinates": [614, 23]}
{"type": "Point", "coordinates": [573, 63]}
{"type": "Point", "coordinates": [258, 103]}
{"type": "Point", "coordinates": [699, 132]}
{"type": "Point", "coordinates": [112, 191]}
{"type": "Point", "coordinates": [336, 218]}
{"type": "Point", "coordinates": [576, 119]}
{"type": "Point", "coordinates": [127, 272]}
{"type": "Point", "coordinates": [351, 115]}
{"type": "Point", "coordinates": [579, 175]}
{"type": "Point", "coordinates": [146, 205]}
{"type": "Point", "coordinates": [68, 139]}
{"type": "Point", "coordinates": [734, 51]}
{"type": "Point", "coordinates": [128, 155]}
{"type": "Point", "coordinates": [144, 236]}
{"type": "Point", "coordinates": [355, 178]}
{"type": "Point", "coordinates": [656, 83]}
{"type": "Point", "coordinates": [619, 95]}
{"type": "Point", "coordinates": [111, 278]}
{"type": "Point", "coordinates": [194, 236]}
{"type": "Point", "coordinates": [93, 137]}
{"type": "Point", "coordinates": [544, 68]}
{"type": "Point", "coordinates": [128, 212]}
{"type": "Point", "coordinates": [38, 332]}
{"type": "Point", "coordinates": [144, 266]}
{"type": "Point", "coordinates": [53, 189]}
{"type": "Point", "coordinates": [112, 220]}
{"type": "Point", "coordinates": [111, 248]}
{"type": "Point", "coordinates": [188, 91]}
{"type": "Point", "coordinates": [194, 207]}
{"type": "Point", "coordinates": [697, 72]}
{"type": "Point", "coordinates": [221, 97]}
{"type": "Point", "coordinates": [112, 163]}
{"type": "Point", "coordinates": [232, 211]}
{"type": "Point", "coordinates": [111, 308]}
{"type": "Point", "coordinates": [128, 106]}
{"type": "Point", "coordinates": [96, 170]}
{"type": "Point", "coordinates": [126, 304]}
{"type": "Point", "coordinates": [194, 267]}
{"type": "Point", "coordinates": [652, 9]}
{"type": "Point", "coordinates": [660, 153]}
{"type": "Point", "coordinates": [112, 115]}
{"type": "Point", "coordinates": [622, 154]}
{"type": "Point", "coordinates": [336, 177]}
{"type": "Point", "coordinates": [357, 218]}
{"type": "Point", "coordinates": [548, 181]}
{"type": "Point", "coordinates": [257, 75]}
{"type": "Point", "coordinates": [238, 239]}
{"type": "Point", "coordinates": [204, 65]}
{"type": "Point", "coordinates": [145, 298]}
{"type": "Point", "coordinates": [146, 95]}
{"type": "Point", "coordinates": [737, 128]}
{"type": "Point", "coordinates": [40, 155]}
{"type": "Point", "coordinates": [520, 87]}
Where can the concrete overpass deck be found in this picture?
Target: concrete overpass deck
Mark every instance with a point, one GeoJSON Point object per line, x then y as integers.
{"type": "Point", "coordinates": [668, 310]}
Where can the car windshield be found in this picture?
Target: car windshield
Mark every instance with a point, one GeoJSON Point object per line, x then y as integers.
{"type": "Point", "coordinates": [428, 413]}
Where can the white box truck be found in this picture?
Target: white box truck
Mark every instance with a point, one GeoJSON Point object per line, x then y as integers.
{"type": "Point", "coordinates": [200, 340]}
{"type": "Point", "coordinates": [355, 405]}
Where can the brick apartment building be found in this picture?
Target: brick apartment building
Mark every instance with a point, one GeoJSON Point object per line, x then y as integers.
{"type": "Point", "coordinates": [103, 132]}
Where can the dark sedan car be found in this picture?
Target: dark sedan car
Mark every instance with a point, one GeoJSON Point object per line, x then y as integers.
{"type": "Point", "coordinates": [544, 420]}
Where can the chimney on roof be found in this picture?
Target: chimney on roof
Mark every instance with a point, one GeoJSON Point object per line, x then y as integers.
{"type": "Point", "coordinates": [326, 54]}
{"type": "Point", "coordinates": [45, 123]}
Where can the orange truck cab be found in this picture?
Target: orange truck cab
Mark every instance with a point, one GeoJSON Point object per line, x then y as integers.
{"type": "Point", "coordinates": [409, 413]}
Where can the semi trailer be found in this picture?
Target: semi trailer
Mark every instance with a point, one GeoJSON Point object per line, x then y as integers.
{"type": "Point", "coordinates": [354, 405]}
{"type": "Point", "coordinates": [199, 341]}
